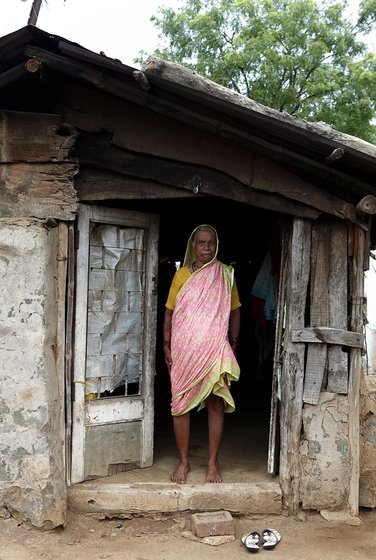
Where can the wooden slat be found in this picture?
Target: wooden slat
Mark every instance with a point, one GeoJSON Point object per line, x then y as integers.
{"type": "Point", "coordinates": [273, 449]}
{"type": "Point", "coordinates": [61, 283]}
{"type": "Point", "coordinates": [69, 343]}
{"type": "Point", "coordinates": [338, 360]}
{"type": "Point", "coordinates": [328, 335]}
{"type": "Point", "coordinates": [149, 340]}
{"type": "Point", "coordinates": [293, 364]}
{"type": "Point", "coordinates": [33, 137]}
{"type": "Point", "coordinates": [94, 184]}
{"type": "Point", "coordinates": [319, 311]}
{"type": "Point", "coordinates": [78, 425]}
{"type": "Point", "coordinates": [357, 299]}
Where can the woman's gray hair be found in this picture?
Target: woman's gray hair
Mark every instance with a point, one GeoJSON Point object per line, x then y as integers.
{"type": "Point", "coordinates": [204, 228]}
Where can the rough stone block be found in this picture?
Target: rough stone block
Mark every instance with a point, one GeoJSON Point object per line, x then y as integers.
{"type": "Point", "coordinates": [214, 523]}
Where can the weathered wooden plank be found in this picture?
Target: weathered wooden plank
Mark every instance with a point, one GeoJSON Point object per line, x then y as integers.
{"type": "Point", "coordinates": [104, 411]}
{"type": "Point", "coordinates": [61, 285]}
{"type": "Point", "coordinates": [69, 343]}
{"type": "Point", "coordinates": [34, 137]}
{"type": "Point", "coordinates": [149, 341]}
{"type": "Point", "coordinates": [338, 368]}
{"type": "Point", "coordinates": [319, 311]}
{"type": "Point", "coordinates": [293, 364]}
{"type": "Point", "coordinates": [80, 334]}
{"type": "Point", "coordinates": [93, 75]}
{"type": "Point", "coordinates": [111, 444]}
{"type": "Point", "coordinates": [96, 185]}
{"type": "Point", "coordinates": [96, 150]}
{"type": "Point", "coordinates": [273, 449]}
{"type": "Point", "coordinates": [178, 74]}
{"type": "Point", "coordinates": [40, 190]}
{"type": "Point", "coordinates": [357, 302]}
{"type": "Point", "coordinates": [328, 335]}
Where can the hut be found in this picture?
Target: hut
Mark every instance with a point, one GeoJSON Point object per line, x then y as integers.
{"type": "Point", "coordinates": [105, 170]}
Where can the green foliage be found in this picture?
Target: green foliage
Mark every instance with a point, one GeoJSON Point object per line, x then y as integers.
{"type": "Point", "coordinates": [297, 56]}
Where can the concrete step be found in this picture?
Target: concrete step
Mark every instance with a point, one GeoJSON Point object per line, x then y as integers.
{"type": "Point", "coordinates": [157, 497]}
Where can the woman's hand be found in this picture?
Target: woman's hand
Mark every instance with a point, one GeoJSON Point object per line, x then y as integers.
{"type": "Point", "coordinates": [167, 338]}
{"type": "Point", "coordinates": [167, 354]}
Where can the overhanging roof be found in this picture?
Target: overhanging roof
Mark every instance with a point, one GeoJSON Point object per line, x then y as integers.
{"type": "Point", "coordinates": [305, 148]}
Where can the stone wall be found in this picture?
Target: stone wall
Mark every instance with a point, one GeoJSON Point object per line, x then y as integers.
{"type": "Point", "coordinates": [32, 480]}
{"type": "Point", "coordinates": [324, 451]}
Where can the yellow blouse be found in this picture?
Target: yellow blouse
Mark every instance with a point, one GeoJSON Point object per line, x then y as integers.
{"type": "Point", "coordinates": [181, 276]}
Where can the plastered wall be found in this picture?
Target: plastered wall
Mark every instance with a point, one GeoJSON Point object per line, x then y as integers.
{"type": "Point", "coordinates": [32, 481]}
{"type": "Point", "coordinates": [325, 457]}
{"type": "Point", "coordinates": [367, 484]}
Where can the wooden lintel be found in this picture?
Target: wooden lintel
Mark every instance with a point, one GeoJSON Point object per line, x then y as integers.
{"type": "Point", "coordinates": [327, 335]}
{"type": "Point", "coordinates": [95, 185]}
{"type": "Point", "coordinates": [97, 150]}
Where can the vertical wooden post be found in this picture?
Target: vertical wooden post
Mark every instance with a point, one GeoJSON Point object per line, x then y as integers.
{"type": "Point", "coordinates": [357, 325]}
{"type": "Point", "coordinates": [293, 364]}
{"type": "Point", "coordinates": [319, 310]}
{"type": "Point", "coordinates": [278, 347]}
{"type": "Point", "coordinates": [338, 368]}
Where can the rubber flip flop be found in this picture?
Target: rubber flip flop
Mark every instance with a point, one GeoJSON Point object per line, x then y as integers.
{"type": "Point", "coordinates": [270, 538]}
{"type": "Point", "coordinates": [251, 541]}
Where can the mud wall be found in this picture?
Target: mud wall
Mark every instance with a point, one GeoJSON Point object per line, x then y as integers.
{"type": "Point", "coordinates": [367, 484]}
{"type": "Point", "coordinates": [325, 457]}
{"type": "Point", "coordinates": [32, 481]}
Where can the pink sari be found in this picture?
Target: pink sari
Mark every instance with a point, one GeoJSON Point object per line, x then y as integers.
{"type": "Point", "coordinates": [202, 359]}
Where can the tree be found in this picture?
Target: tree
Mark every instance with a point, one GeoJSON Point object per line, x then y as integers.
{"type": "Point", "coordinates": [297, 56]}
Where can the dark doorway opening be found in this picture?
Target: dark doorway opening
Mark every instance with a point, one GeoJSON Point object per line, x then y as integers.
{"type": "Point", "coordinates": [246, 235]}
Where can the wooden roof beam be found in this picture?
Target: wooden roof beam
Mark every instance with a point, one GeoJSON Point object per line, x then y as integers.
{"type": "Point", "coordinates": [95, 149]}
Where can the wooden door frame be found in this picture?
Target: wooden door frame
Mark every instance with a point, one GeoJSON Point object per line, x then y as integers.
{"type": "Point", "coordinates": [79, 406]}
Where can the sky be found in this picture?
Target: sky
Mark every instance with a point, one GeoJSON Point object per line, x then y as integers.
{"type": "Point", "coordinates": [119, 28]}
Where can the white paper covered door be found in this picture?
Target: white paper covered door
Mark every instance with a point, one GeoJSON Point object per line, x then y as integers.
{"type": "Point", "coordinates": [114, 349]}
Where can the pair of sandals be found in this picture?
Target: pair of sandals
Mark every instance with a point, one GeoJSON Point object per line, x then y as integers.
{"type": "Point", "coordinates": [269, 538]}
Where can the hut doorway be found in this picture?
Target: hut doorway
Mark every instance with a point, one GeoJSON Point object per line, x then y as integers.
{"type": "Point", "coordinates": [249, 240]}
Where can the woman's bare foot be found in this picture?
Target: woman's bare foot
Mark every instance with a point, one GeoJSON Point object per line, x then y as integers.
{"type": "Point", "coordinates": [180, 473]}
{"type": "Point", "coordinates": [213, 474]}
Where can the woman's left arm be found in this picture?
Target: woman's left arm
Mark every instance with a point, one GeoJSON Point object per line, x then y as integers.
{"type": "Point", "coordinates": [234, 329]}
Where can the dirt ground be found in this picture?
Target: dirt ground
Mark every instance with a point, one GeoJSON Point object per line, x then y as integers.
{"type": "Point", "coordinates": [310, 537]}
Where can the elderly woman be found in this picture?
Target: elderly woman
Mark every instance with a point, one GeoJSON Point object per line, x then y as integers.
{"type": "Point", "coordinates": [200, 332]}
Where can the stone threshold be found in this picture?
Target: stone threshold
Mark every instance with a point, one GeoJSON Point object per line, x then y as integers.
{"type": "Point", "coordinates": [155, 497]}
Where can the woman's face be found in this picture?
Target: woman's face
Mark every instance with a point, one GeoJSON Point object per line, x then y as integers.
{"type": "Point", "coordinates": [204, 246]}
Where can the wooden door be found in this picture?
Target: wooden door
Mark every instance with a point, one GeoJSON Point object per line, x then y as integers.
{"type": "Point", "coordinates": [114, 347]}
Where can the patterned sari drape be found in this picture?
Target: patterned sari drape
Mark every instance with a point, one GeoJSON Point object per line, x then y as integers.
{"type": "Point", "coordinates": [202, 359]}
